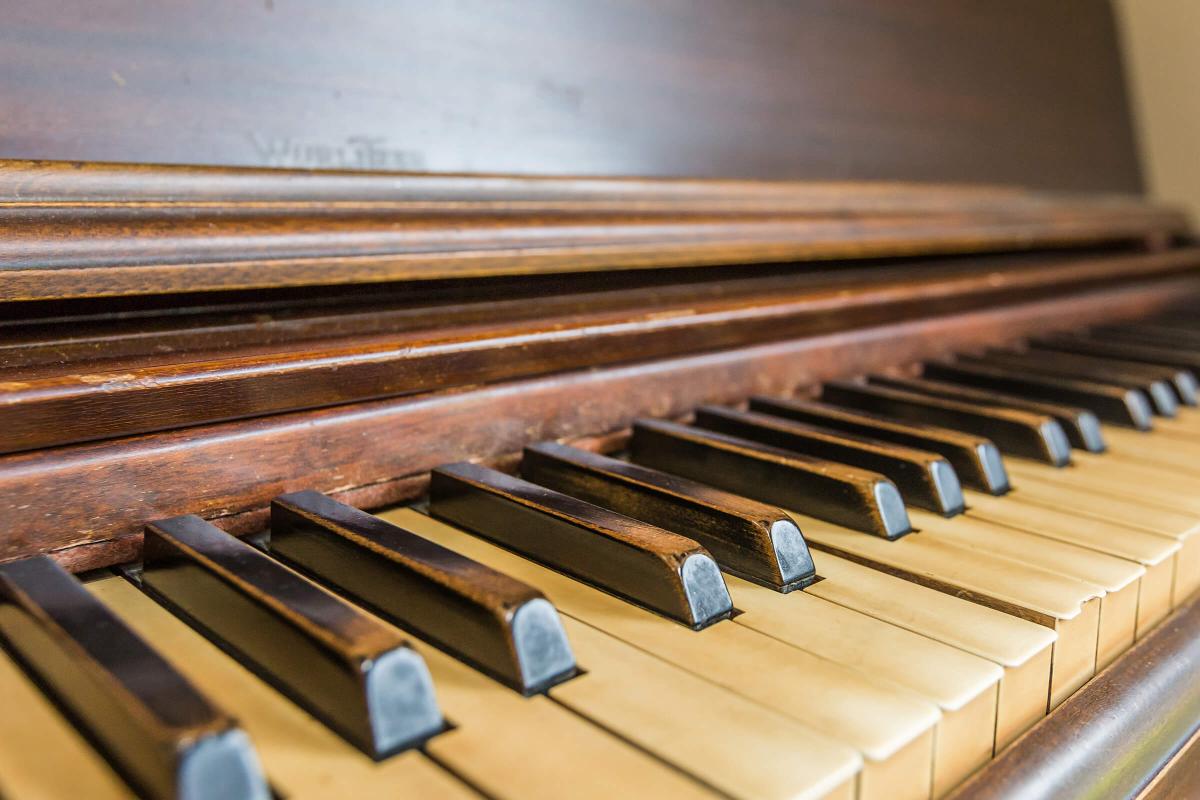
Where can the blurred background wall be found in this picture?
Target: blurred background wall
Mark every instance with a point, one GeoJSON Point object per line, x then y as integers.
{"type": "Point", "coordinates": [1162, 58]}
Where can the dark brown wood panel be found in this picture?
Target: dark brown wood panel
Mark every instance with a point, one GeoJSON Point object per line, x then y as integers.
{"type": "Point", "coordinates": [87, 502]}
{"type": "Point", "coordinates": [1111, 738]}
{"type": "Point", "coordinates": [1014, 91]}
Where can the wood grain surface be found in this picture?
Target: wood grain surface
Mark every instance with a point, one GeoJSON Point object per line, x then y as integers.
{"type": "Point", "coordinates": [1013, 91]}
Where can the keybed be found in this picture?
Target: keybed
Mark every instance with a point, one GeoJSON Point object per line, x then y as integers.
{"type": "Point", "coordinates": [987, 532]}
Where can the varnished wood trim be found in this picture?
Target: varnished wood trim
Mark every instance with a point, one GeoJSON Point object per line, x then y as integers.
{"type": "Point", "coordinates": [122, 397]}
{"type": "Point", "coordinates": [58, 183]}
{"type": "Point", "coordinates": [87, 230]}
{"type": "Point", "coordinates": [202, 326]}
{"type": "Point", "coordinates": [93, 497]}
{"type": "Point", "coordinates": [1180, 777]}
{"type": "Point", "coordinates": [1111, 738]}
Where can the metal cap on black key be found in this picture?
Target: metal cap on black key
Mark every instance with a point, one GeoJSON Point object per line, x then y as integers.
{"type": "Point", "coordinates": [501, 625]}
{"type": "Point", "coordinates": [151, 722]}
{"type": "Point", "coordinates": [348, 668]}
{"type": "Point", "coordinates": [657, 569]}
{"type": "Point", "coordinates": [749, 539]}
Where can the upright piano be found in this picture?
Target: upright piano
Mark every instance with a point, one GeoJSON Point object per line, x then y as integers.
{"type": "Point", "coordinates": [591, 398]}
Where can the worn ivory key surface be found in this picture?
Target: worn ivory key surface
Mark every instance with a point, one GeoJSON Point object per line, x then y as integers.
{"type": "Point", "coordinates": [730, 742]}
{"type": "Point", "coordinates": [1066, 605]}
{"type": "Point", "coordinates": [892, 728]}
{"type": "Point", "coordinates": [1162, 448]}
{"type": "Point", "coordinates": [1156, 553]}
{"type": "Point", "coordinates": [1177, 526]}
{"type": "Point", "coordinates": [38, 741]}
{"type": "Point", "coordinates": [962, 685]}
{"type": "Point", "coordinates": [1021, 647]}
{"type": "Point", "coordinates": [1119, 579]}
{"type": "Point", "coordinates": [495, 729]}
{"type": "Point", "coordinates": [1153, 485]}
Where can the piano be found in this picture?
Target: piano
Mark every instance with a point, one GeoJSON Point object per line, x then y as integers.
{"type": "Point", "coordinates": [591, 399]}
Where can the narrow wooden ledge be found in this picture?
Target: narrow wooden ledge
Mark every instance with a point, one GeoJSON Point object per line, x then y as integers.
{"type": "Point", "coordinates": [1112, 738]}
{"type": "Point", "coordinates": [96, 230]}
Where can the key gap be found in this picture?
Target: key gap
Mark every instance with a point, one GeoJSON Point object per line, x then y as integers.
{"type": "Point", "coordinates": [640, 748]}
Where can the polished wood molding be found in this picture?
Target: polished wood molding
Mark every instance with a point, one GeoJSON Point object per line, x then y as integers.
{"type": "Point", "coordinates": [80, 401]}
{"type": "Point", "coordinates": [379, 453]}
{"type": "Point", "coordinates": [94, 230]}
{"type": "Point", "coordinates": [1112, 737]}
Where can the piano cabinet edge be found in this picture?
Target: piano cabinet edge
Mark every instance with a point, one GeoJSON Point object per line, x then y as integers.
{"type": "Point", "coordinates": [1129, 732]}
{"type": "Point", "coordinates": [1179, 777]}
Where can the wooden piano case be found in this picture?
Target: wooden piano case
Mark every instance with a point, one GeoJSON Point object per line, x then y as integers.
{"type": "Point", "coordinates": [246, 250]}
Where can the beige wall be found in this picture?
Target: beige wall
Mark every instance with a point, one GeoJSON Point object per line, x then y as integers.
{"type": "Point", "coordinates": [1162, 58]}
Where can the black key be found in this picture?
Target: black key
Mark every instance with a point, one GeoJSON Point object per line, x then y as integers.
{"type": "Point", "coordinates": [1030, 435]}
{"type": "Point", "coordinates": [504, 627]}
{"type": "Point", "coordinates": [1163, 354]}
{"type": "Point", "coordinates": [1180, 382]}
{"type": "Point", "coordinates": [1061, 368]}
{"type": "Point", "coordinates": [159, 732]}
{"type": "Point", "coordinates": [856, 498]}
{"type": "Point", "coordinates": [1081, 426]}
{"type": "Point", "coordinates": [657, 569]}
{"type": "Point", "coordinates": [1162, 335]}
{"type": "Point", "coordinates": [976, 460]}
{"type": "Point", "coordinates": [352, 671]}
{"type": "Point", "coordinates": [749, 539]}
{"type": "Point", "coordinates": [926, 479]}
{"type": "Point", "coordinates": [1184, 378]}
{"type": "Point", "coordinates": [1116, 404]}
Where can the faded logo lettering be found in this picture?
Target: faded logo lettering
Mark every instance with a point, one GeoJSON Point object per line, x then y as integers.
{"type": "Point", "coordinates": [356, 152]}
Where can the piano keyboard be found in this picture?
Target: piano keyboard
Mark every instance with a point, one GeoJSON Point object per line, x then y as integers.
{"type": "Point", "coordinates": [866, 593]}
